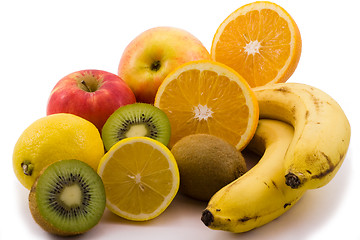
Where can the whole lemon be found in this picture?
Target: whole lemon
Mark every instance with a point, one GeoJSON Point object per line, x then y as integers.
{"type": "Point", "coordinates": [52, 138]}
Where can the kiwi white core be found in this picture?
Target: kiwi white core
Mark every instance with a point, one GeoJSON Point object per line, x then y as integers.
{"type": "Point", "coordinates": [71, 195]}
{"type": "Point", "coordinates": [136, 130]}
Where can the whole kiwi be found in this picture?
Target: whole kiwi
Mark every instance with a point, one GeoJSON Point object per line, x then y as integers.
{"type": "Point", "coordinates": [206, 164]}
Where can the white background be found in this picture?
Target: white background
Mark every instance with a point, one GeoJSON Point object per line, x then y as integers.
{"type": "Point", "coordinates": [42, 41]}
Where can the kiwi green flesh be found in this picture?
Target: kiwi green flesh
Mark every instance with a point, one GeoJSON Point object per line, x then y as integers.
{"type": "Point", "coordinates": [136, 120]}
{"type": "Point", "coordinates": [68, 198]}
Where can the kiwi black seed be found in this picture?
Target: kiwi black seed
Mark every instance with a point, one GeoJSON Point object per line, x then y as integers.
{"type": "Point", "coordinates": [68, 198]}
{"type": "Point", "coordinates": [136, 120]}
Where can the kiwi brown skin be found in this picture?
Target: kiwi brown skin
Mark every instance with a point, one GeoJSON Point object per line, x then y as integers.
{"type": "Point", "coordinates": [206, 164]}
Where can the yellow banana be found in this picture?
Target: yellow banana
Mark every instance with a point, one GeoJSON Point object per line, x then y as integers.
{"type": "Point", "coordinates": [321, 131]}
{"type": "Point", "coordinates": [260, 195]}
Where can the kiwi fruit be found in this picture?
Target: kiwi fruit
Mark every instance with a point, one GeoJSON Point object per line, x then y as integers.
{"type": "Point", "coordinates": [68, 198]}
{"type": "Point", "coordinates": [206, 164]}
{"type": "Point", "coordinates": [136, 120]}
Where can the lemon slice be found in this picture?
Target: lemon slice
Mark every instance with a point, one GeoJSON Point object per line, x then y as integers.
{"type": "Point", "coordinates": [141, 178]}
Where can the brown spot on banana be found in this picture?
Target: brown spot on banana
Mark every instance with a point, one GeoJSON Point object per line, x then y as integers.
{"type": "Point", "coordinates": [328, 170]}
{"type": "Point", "coordinates": [245, 219]}
{"type": "Point", "coordinates": [274, 183]}
{"type": "Point", "coordinates": [287, 204]}
{"type": "Point", "coordinates": [317, 102]}
{"type": "Point", "coordinates": [283, 90]}
{"type": "Point", "coordinates": [327, 159]}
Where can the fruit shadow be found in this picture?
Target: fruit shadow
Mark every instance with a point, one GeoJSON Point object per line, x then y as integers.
{"type": "Point", "coordinates": [307, 216]}
{"type": "Point", "coordinates": [180, 209]}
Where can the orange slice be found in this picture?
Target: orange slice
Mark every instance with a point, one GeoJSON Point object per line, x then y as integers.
{"type": "Point", "coordinates": [260, 41]}
{"type": "Point", "coordinates": [141, 178]}
{"type": "Point", "coordinates": [208, 97]}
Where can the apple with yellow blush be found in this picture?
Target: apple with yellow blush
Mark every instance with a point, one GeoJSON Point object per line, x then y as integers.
{"type": "Point", "coordinates": [153, 54]}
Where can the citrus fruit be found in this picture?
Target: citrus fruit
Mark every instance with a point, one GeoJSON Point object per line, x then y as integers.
{"type": "Point", "coordinates": [52, 138]}
{"type": "Point", "coordinates": [208, 97]}
{"type": "Point", "coordinates": [261, 41]}
{"type": "Point", "coordinates": [140, 176]}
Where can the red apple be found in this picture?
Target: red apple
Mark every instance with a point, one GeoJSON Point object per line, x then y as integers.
{"type": "Point", "coordinates": [152, 55]}
{"type": "Point", "coordinates": [90, 94]}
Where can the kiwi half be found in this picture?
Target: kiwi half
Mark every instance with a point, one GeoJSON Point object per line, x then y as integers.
{"type": "Point", "coordinates": [136, 120]}
{"type": "Point", "coordinates": [68, 198]}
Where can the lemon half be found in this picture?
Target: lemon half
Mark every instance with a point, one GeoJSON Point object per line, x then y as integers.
{"type": "Point", "coordinates": [141, 178]}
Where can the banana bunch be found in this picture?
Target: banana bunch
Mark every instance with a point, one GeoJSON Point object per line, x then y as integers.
{"type": "Point", "coordinates": [321, 131]}
{"type": "Point", "coordinates": [303, 136]}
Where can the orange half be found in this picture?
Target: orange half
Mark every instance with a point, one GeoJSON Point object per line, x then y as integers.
{"type": "Point", "coordinates": [261, 41]}
{"type": "Point", "coordinates": [208, 97]}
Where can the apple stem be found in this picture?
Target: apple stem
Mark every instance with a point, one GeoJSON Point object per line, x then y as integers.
{"type": "Point", "coordinates": [86, 86]}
